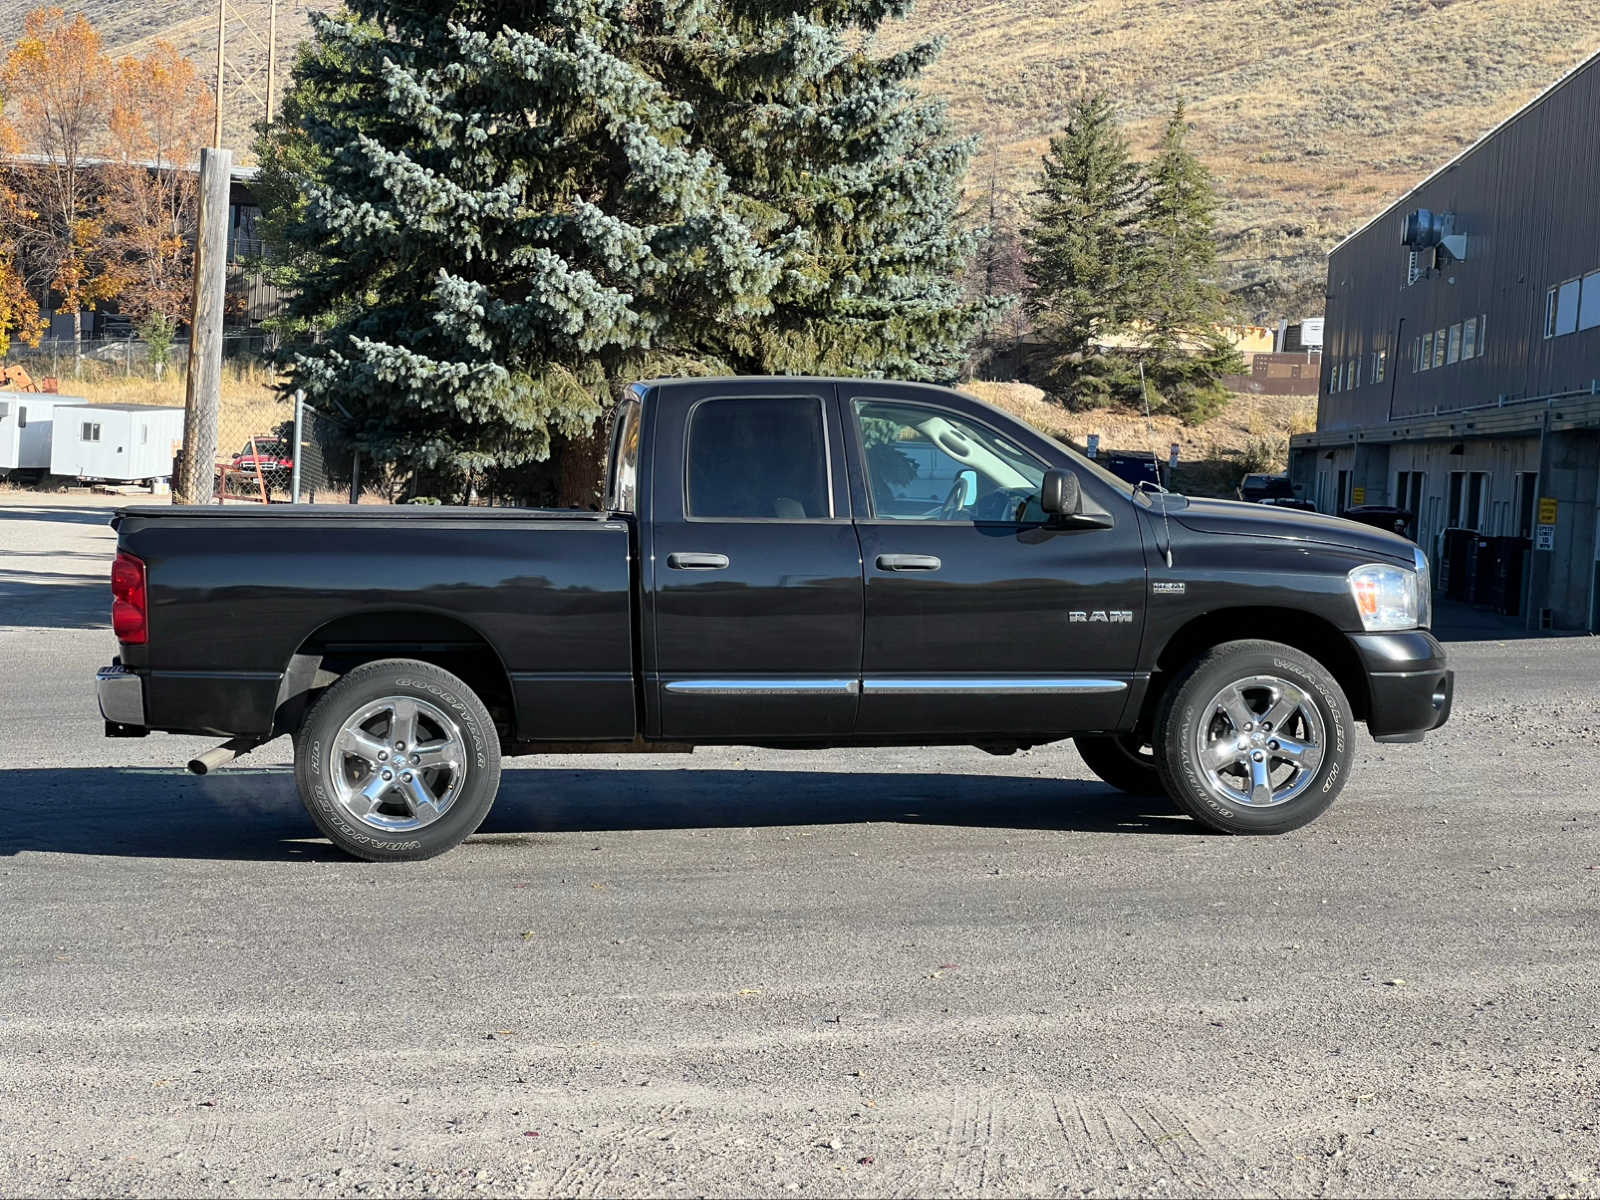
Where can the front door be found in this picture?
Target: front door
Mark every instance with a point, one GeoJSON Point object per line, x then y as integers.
{"type": "Point", "coordinates": [754, 571]}
{"type": "Point", "coordinates": [982, 618]}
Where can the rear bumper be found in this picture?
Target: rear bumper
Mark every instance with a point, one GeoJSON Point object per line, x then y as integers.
{"type": "Point", "coordinates": [1410, 687]}
{"type": "Point", "coordinates": [121, 695]}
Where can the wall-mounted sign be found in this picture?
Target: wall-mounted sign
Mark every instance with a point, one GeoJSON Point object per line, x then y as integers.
{"type": "Point", "coordinates": [1094, 445]}
{"type": "Point", "coordinates": [1358, 495]}
{"type": "Point", "coordinates": [1544, 537]}
{"type": "Point", "coordinates": [1547, 511]}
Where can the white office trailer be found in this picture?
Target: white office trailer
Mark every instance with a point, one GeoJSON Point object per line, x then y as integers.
{"type": "Point", "coordinates": [26, 421]}
{"type": "Point", "coordinates": [118, 443]}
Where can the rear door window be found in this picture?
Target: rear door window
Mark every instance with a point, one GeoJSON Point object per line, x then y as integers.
{"type": "Point", "coordinates": [759, 458]}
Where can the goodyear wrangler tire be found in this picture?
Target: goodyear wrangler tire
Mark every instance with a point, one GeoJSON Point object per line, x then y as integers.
{"type": "Point", "coordinates": [398, 760]}
{"type": "Point", "coordinates": [1255, 737]}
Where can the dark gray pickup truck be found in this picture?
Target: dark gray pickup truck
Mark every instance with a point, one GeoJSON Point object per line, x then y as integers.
{"type": "Point", "coordinates": [781, 562]}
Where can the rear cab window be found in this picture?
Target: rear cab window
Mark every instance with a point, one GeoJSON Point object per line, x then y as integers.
{"type": "Point", "coordinates": [757, 459]}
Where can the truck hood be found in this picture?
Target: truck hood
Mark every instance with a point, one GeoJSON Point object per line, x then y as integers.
{"type": "Point", "coordinates": [1235, 518]}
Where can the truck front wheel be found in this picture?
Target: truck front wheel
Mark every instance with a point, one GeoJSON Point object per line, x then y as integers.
{"type": "Point", "coordinates": [398, 760]}
{"type": "Point", "coordinates": [1255, 737]}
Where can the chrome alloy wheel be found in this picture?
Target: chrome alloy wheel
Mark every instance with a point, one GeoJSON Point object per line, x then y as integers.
{"type": "Point", "coordinates": [398, 764]}
{"type": "Point", "coordinates": [1260, 741]}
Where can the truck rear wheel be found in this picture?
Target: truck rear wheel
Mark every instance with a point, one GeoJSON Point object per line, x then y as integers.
{"type": "Point", "coordinates": [1255, 737]}
{"type": "Point", "coordinates": [398, 760]}
{"type": "Point", "coordinates": [1123, 760]}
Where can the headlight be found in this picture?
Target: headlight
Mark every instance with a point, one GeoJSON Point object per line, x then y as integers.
{"type": "Point", "coordinates": [1424, 591]}
{"type": "Point", "coordinates": [1386, 597]}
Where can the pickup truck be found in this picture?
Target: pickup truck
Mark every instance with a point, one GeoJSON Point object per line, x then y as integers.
{"type": "Point", "coordinates": [780, 562]}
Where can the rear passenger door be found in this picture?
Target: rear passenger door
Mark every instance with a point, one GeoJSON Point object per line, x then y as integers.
{"type": "Point", "coordinates": [753, 573]}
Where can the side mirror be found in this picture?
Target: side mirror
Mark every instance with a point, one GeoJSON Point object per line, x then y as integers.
{"type": "Point", "coordinates": [1060, 494]}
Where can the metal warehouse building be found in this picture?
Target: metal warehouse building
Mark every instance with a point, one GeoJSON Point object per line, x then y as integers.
{"type": "Point", "coordinates": [1461, 364]}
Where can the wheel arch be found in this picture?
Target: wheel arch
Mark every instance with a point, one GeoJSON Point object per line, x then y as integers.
{"type": "Point", "coordinates": [1304, 631]}
{"type": "Point", "coordinates": [339, 645]}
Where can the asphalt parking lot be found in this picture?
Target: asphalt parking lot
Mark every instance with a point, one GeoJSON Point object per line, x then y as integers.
{"type": "Point", "coordinates": [906, 972]}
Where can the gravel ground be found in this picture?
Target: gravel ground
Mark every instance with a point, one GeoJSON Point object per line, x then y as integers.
{"type": "Point", "coordinates": [902, 972]}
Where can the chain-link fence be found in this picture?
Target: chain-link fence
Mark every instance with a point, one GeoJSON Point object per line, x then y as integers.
{"type": "Point", "coordinates": [122, 403]}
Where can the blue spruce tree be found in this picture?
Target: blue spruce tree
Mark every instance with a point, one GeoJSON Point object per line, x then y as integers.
{"type": "Point", "coordinates": [498, 218]}
{"type": "Point", "coordinates": [846, 174]}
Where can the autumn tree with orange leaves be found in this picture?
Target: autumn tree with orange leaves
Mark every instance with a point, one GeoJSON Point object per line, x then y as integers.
{"type": "Point", "coordinates": [19, 311]}
{"type": "Point", "coordinates": [161, 110]}
{"type": "Point", "coordinates": [98, 185]}
{"type": "Point", "coordinates": [57, 80]}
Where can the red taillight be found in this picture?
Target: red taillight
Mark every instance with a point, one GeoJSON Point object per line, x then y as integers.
{"type": "Point", "coordinates": [129, 620]}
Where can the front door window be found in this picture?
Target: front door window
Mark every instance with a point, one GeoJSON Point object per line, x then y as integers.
{"type": "Point", "coordinates": [927, 464]}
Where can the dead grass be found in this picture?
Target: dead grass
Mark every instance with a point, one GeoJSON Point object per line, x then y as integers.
{"type": "Point", "coordinates": [1313, 114]}
{"type": "Point", "coordinates": [1252, 433]}
{"type": "Point", "coordinates": [250, 406]}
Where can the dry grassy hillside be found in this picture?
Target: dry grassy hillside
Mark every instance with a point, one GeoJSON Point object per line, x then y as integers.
{"type": "Point", "coordinates": [1314, 114]}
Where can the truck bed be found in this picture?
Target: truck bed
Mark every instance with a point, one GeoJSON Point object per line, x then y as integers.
{"type": "Point", "coordinates": [543, 596]}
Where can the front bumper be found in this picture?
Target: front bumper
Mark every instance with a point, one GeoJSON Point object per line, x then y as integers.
{"type": "Point", "coordinates": [121, 694]}
{"type": "Point", "coordinates": [1410, 688]}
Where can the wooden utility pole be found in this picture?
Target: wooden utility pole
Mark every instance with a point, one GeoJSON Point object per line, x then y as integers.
{"type": "Point", "coordinates": [222, 37]}
{"type": "Point", "coordinates": [272, 53]}
{"type": "Point", "coordinates": [203, 398]}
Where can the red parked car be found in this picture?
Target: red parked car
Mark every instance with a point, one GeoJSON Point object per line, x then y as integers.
{"type": "Point", "coordinates": [268, 453]}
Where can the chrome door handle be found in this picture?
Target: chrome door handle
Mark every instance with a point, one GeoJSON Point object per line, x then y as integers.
{"type": "Point", "coordinates": [908, 562]}
{"type": "Point", "coordinates": [682, 561]}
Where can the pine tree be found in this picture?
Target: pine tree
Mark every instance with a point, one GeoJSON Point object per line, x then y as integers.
{"type": "Point", "coordinates": [846, 174]}
{"type": "Point", "coordinates": [1082, 268]}
{"type": "Point", "coordinates": [502, 221]}
{"type": "Point", "coordinates": [1184, 353]}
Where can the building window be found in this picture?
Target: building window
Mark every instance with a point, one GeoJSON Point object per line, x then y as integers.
{"type": "Point", "coordinates": [1427, 351]}
{"type": "Point", "coordinates": [22, 417]}
{"type": "Point", "coordinates": [1561, 309]}
{"type": "Point", "coordinates": [1380, 365]}
{"type": "Point", "coordinates": [1589, 302]}
{"type": "Point", "coordinates": [1467, 491]}
{"type": "Point", "coordinates": [91, 432]}
{"type": "Point", "coordinates": [1438, 348]}
{"type": "Point", "coordinates": [1355, 372]}
{"type": "Point", "coordinates": [1469, 338]}
{"type": "Point", "coordinates": [1483, 325]}
{"type": "Point", "coordinates": [1453, 355]}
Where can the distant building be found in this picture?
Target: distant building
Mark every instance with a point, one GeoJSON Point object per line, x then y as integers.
{"type": "Point", "coordinates": [1301, 336]}
{"type": "Point", "coordinates": [251, 299]}
{"type": "Point", "coordinates": [1461, 365]}
{"type": "Point", "coordinates": [1296, 374]}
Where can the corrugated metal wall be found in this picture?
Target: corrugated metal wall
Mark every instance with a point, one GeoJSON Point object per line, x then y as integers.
{"type": "Point", "coordinates": [1528, 200]}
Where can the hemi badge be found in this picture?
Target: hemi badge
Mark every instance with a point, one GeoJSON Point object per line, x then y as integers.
{"type": "Point", "coordinates": [1167, 587]}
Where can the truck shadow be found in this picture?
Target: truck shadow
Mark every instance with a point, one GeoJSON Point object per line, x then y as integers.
{"type": "Point", "coordinates": [255, 815]}
{"type": "Point", "coordinates": [53, 600]}
{"type": "Point", "coordinates": [61, 515]}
